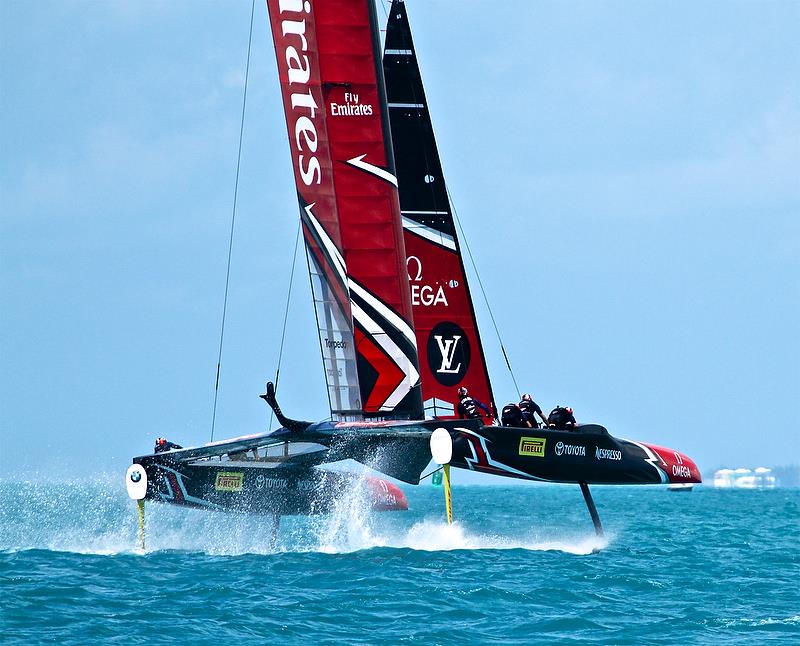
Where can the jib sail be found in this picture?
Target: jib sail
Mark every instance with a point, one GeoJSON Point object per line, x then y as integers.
{"type": "Point", "coordinates": [449, 344]}
{"type": "Point", "coordinates": [333, 95]}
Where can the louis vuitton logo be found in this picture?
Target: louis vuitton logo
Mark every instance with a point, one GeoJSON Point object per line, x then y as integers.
{"type": "Point", "coordinates": [447, 347]}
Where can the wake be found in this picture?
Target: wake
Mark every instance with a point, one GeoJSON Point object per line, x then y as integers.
{"type": "Point", "coordinates": [437, 536]}
{"type": "Point", "coordinates": [102, 521]}
{"type": "Point", "coordinates": [230, 540]}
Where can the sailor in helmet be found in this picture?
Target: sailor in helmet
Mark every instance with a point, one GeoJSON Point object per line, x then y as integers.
{"type": "Point", "coordinates": [561, 419]}
{"type": "Point", "coordinates": [469, 407]}
{"type": "Point", "coordinates": [163, 445]}
{"type": "Point", "coordinates": [529, 409]}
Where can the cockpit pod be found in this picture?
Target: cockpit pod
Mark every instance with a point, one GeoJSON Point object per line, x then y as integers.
{"type": "Point", "coordinates": [136, 482]}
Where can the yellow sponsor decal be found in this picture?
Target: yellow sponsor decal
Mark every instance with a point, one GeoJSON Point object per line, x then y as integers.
{"type": "Point", "coordinates": [229, 481]}
{"type": "Point", "coordinates": [533, 446]}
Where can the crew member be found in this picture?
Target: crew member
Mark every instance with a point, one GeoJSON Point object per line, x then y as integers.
{"type": "Point", "coordinates": [561, 419]}
{"type": "Point", "coordinates": [529, 409]}
{"type": "Point", "coordinates": [512, 417]}
{"type": "Point", "coordinates": [469, 407]}
{"type": "Point", "coordinates": [162, 445]}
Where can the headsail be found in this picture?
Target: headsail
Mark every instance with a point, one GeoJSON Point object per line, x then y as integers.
{"type": "Point", "coordinates": [450, 348]}
{"type": "Point", "coordinates": [332, 86]}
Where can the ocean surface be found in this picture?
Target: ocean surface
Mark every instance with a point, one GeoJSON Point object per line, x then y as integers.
{"type": "Point", "coordinates": [521, 565]}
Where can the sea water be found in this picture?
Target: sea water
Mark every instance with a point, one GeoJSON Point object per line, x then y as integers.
{"type": "Point", "coordinates": [521, 565]}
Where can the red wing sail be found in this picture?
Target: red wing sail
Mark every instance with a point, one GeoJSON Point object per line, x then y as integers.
{"type": "Point", "coordinates": [333, 97]}
{"type": "Point", "coordinates": [450, 348]}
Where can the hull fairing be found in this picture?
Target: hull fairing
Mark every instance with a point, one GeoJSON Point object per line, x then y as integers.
{"type": "Point", "coordinates": [252, 488]}
{"type": "Point", "coordinates": [588, 454]}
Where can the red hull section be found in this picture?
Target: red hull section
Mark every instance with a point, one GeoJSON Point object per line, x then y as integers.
{"type": "Point", "coordinates": [386, 496]}
{"type": "Point", "coordinates": [679, 468]}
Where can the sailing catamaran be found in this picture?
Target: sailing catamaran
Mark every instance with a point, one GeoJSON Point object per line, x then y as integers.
{"type": "Point", "coordinates": [397, 328]}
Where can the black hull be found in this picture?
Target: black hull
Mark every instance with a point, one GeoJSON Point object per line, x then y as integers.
{"type": "Point", "coordinates": [273, 490]}
{"type": "Point", "coordinates": [298, 485]}
{"type": "Point", "coordinates": [588, 455]}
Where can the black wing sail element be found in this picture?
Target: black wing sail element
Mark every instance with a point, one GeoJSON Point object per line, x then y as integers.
{"type": "Point", "coordinates": [449, 343]}
{"type": "Point", "coordinates": [423, 195]}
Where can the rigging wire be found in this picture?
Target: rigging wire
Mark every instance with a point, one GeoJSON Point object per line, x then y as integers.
{"type": "Point", "coordinates": [233, 222]}
{"type": "Point", "coordinates": [286, 314]}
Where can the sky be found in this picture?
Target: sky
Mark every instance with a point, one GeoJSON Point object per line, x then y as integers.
{"type": "Point", "coordinates": [626, 175]}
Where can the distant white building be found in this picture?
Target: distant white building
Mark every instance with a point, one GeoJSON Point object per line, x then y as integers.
{"type": "Point", "coordinates": [760, 478]}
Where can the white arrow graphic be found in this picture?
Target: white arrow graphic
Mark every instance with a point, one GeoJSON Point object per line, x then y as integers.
{"type": "Point", "coordinates": [359, 162]}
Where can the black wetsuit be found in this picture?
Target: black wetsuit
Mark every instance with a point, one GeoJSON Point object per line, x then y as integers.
{"type": "Point", "coordinates": [561, 419]}
{"type": "Point", "coordinates": [468, 408]}
{"type": "Point", "coordinates": [512, 417]}
{"type": "Point", "coordinates": [528, 408]}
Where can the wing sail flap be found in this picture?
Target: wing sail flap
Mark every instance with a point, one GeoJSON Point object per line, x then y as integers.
{"type": "Point", "coordinates": [451, 354]}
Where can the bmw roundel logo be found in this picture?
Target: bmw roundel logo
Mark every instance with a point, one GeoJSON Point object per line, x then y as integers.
{"type": "Point", "coordinates": [136, 476]}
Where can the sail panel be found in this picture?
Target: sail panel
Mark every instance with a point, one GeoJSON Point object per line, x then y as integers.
{"type": "Point", "coordinates": [335, 336]}
{"type": "Point", "coordinates": [451, 354]}
{"type": "Point", "coordinates": [332, 85]}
